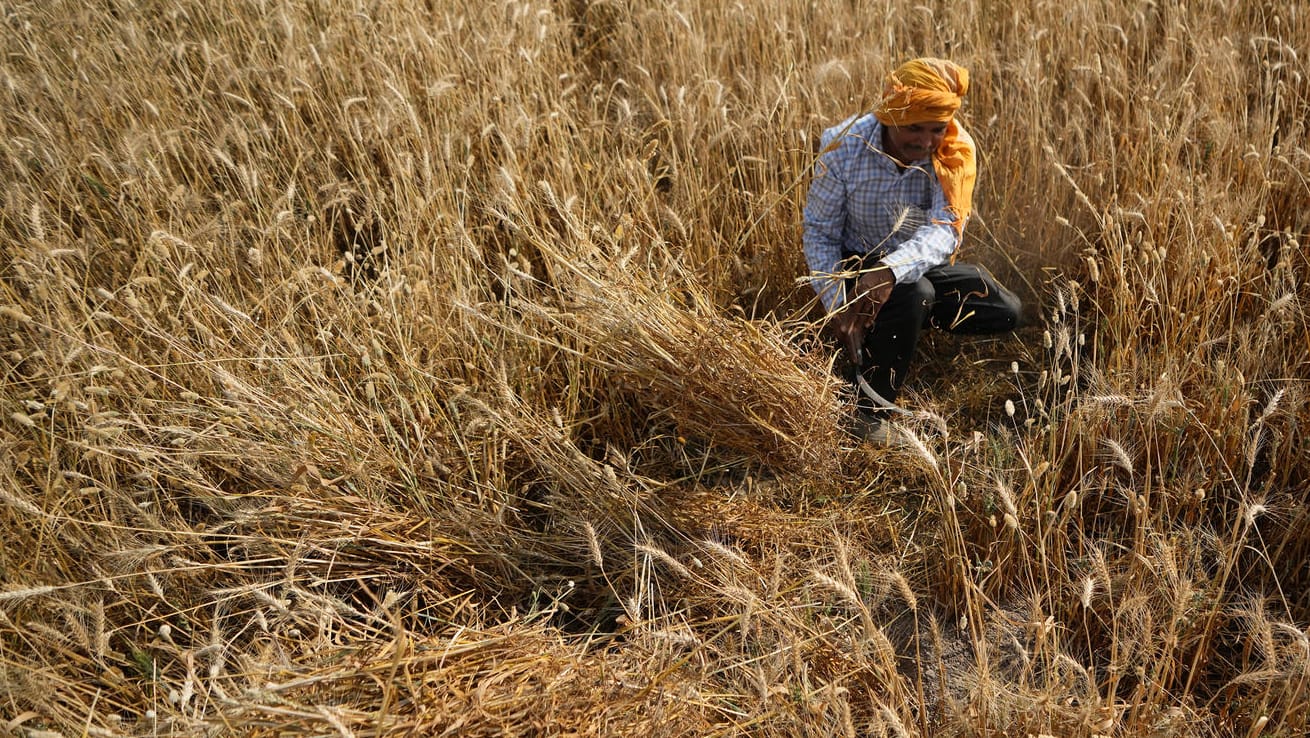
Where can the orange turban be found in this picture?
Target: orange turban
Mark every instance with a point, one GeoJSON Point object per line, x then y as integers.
{"type": "Point", "coordinates": [930, 91]}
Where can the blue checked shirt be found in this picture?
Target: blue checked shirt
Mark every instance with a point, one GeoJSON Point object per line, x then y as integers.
{"type": "Point", "coordinates": [860, 201]}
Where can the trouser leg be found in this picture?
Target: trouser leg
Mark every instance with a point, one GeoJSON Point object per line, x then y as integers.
{"type": "Point", "coordinates": [960, 298]}
{"type": "Point", "coordinates": [970, 300]}
{"type": "Point", "coordinates": [889, 345]}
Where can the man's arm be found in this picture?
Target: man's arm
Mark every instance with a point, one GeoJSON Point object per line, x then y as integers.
{"type": "Point", "coordinates": [871, 293]}
{"type": "Point", "coordinates": [931, 245]}
{"type": "Point", "coordinates": [824, 225]}
{"type": "Point", "coordinates": [824, 228]}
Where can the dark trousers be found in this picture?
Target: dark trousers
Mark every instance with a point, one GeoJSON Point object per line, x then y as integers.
{"type": "Point", "coordinates": [960, 298]}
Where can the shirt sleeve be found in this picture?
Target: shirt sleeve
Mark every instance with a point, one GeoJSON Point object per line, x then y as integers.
{"type": "Point", "coordinates": [931, 245]}
{"type": "Point", "coordinates": [824, 223]}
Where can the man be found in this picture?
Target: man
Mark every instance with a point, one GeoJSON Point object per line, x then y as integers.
{"type": "Point", "coordinates": [891, 194]}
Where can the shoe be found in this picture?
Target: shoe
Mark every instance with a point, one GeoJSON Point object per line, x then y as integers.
{"type": "Point", "coordinates": [871, 428]}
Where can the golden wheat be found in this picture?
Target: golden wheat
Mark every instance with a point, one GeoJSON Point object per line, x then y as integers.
{"type": "Point", "coordinates": [413, 368]}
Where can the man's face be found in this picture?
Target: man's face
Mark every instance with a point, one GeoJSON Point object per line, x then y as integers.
{"type": "Point", "coordinates": [914, 142]}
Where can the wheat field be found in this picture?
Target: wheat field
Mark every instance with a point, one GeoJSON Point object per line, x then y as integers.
{"type": "Point", "coordinates": [435, 368]}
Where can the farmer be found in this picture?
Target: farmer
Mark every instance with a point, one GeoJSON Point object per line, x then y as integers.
{"type": "Point", "coordinates": [887, 206]}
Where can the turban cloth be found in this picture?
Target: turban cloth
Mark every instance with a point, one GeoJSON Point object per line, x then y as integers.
{"type": "Point", "coordinates": [930, 91]}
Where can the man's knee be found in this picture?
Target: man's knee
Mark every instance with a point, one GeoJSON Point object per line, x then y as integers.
{"type": "Point", "coordinates": [996, 310]}
{"type": "Point", "coordinates": [910, 303]}
{"type": "Point", "coordinates": [922, 298]}
{"type": "Point", "coordinates": [923, 295]}
{"type": "Point", "coordinates": [925, 290]}
{"type": "Point", "coordinates": [1009, 310]}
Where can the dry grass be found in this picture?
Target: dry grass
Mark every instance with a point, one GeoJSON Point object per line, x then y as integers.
{"type": "Point", "coordinates": [423, 368]}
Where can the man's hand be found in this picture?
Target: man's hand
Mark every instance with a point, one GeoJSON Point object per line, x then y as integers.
{"type": "Point", "coordinates": [861, 310]}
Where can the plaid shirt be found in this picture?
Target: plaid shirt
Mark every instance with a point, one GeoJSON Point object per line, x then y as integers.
{"type": "Point", "coordinates": [861, 202]}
